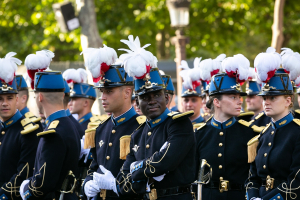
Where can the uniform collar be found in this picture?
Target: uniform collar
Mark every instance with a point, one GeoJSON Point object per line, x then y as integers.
{"type": "Point", "coordinates": [154, 122]}
{"type": "Point", "coordinates": [223, 125]}
{"type": "Point", "coordinates": [68, 112]}
{"type": "Point", "coordinates": [85, 118]}
{"type": "Point", "coordinates": [24, 110]}
{"type": "Point", "coordinates": [283, 121]}
{"type": "Point", "coordinates": [12, 120]}
{"type": "Point", "coordinates": [54, 116]}
{"type": "Point", "coordinates": [198, 120]}
{"type": "Point", "coordinates": [124, 117]}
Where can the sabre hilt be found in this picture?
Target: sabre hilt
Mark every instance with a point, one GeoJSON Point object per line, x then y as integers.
{"type": "Point", "coordinates": [205, 172]}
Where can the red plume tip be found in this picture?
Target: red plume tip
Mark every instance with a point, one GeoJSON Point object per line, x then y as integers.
{"type": "Point", "coordinates": [270, 75]}
{"type": "Point", "coordinates": [104, 67]}
{"type": "Point", "coordinates": [147, 72]}
{"type": "Point", "coordinates": [286, 71]}
{"type": "Point", "coordinates": [69, 81]}
{"type": "Point", "coordinates": [31, 73]}
{"type": "Point", "coordinates": [195, 84]}
{"type": "Point", "coordinates": [231, 74]}
{"type": "Point", "coordinates": [214, 72]}
{"type": "Point", "coordinates": [96, 80]}
{"type": "Point", "coordinates": [32, 84]}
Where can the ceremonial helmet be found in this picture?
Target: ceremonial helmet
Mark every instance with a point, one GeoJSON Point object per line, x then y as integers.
{"type": "Point", "coordinates": [142, 66]}
{"type": "Point", "coordinates": [8, 68]}
{"type": "Point", "coordinates": [253, 86]}
{"type": "Point", "coordinates": [168, 82]}
{"type": "Point", "coordinates": [276, 79]}
{"type": "Point", "coordinates": [21, 83]}
{"type": "Point", "coordinates": [235, 73]}
{"type": "Point", "coordinates": [78, 81]}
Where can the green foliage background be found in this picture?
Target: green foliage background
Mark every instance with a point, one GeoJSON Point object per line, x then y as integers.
{"type": "Point", "coordinates": [216, 26]}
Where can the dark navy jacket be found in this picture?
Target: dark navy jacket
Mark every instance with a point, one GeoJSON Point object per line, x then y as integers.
{"type": "Point", "coordinates": [17, 154]}
{"type": "Point", "coordinates": [261, 119]}
{"type": "Point", "coordinates": [224, 146]}
{"type": "Point", "coordinates": [176, 160]}
{"type": "Point", "coordinates": [57, 154]}
{"type": "Point", "coordinates": [107, 142]}
{"type": "Point", "coordinates": [76, 124]}
{"type": "Point", "coordinates": [278, 156]}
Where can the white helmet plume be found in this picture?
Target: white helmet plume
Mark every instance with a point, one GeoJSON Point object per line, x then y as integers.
{"type": "Point", "coordinates": [210, 67]}
{"type": "Point", "coordinates": [237, 67]}
{"type": "Point", "coordinates": [8, 67]}
{"type": "Point", "coordinates": [75, 76]}
{"type": "Point", "coordinates": [291, 62]}
{"type": "Point", "coordinates": [137, 61]}
{"type": "Point", "coordinates": [190, 76]}
{"type": "Point", "coordinates": [266, 64]}
{"type": "Point", "coordinates": [98, 60]}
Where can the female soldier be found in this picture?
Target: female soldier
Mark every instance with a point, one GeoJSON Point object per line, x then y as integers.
{"type": "Point", "coordinates": [274, 174]}
{"type": "Point", "coordinates": [222, 141]}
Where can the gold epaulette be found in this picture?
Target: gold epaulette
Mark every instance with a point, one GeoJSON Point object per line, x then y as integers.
{"type": "Point", "coordinates": [258, 129]}
{"type": "Point", "coordinates": [200, 125]}
{"type": "Point", "coordinates": [95, 118]}
{"type": "Point", "coordinates": [246, 114]}
{"type": "Point", "coordinates": [252, 148]}
{"type": "Point", "coordinates": [102, 117]}
{"type": "Point", "coordinates": [124, 146]}
{"type": "Point", "coordinates": [245, 123]}
{"type": "Point", "coordinates": [210, 117]}
{"type": "Point", "coordinates": [185, 114]}
{"type": "Point", "coordinates": [263, 131]}
{"type": "Point", "coordinates": [297, 111]}
{"type": "Point", "coordinates": [259, 115]}
{"type": "Point", "coordinates": [93, 124]}
{"type": "Point", "coordinates": [172, 113]}
{"type": "Point", "coordinates": [28, 126]}
{"type": "Point", "coordinates": [297, 121]}
{"type": "Point", "coordinates": [32, 117]}
{"type": "Point", "coordinates": [141, 119]}
{"type": "Point", "coordinates": [51, 128]}
{"type": "Point", "coordinates": [89, 140]}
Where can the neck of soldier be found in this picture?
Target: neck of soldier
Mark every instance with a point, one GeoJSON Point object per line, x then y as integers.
{"type": "Point", "coordinates": [126, 106]}
{"type": "Point", "coordinates": [84, 112]}
{"type": "Point", "coordinates": [195, 116]}
{"type": "Point", "coordinates": [21, 106]}
{"type": "Point", "coordinates": [256, 112]}
{"type": "Point", "coordinates": [280, 116]}
{"type": "Point", "coordinates": [4, 119]}
{"type": "Point", "coordinates": [221, 116]}
{"type": "Point", "coordinates": [49, 109]}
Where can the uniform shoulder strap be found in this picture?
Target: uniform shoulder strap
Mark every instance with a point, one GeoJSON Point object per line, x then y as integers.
{"type": "Point", "coordinates": [246, 114]}
{"type": "Point", "coordinates": [245, 123]}
{"type": "Point", "coordinates": [200, 125]}
{"type": "Point", "coordinates": [182, 115]}
{"type": "Point", "coordinates": [297, 121]}
{"type": "Point", "coordinates": [28, 126]}
{"type": "Point", "coordinates": [51, 128]}
{"type": "Point", "coordinates": [32, 117]}
{"type": "Point", "coordinates": [141, 119]}
{"type": "Point", "coordinates": [263, 131]}
{"type": "Point", "coordinates": [259, 115]}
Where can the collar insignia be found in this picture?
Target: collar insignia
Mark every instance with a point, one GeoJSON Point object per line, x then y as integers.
{"type": "Point", "coordinates": [229, 123]}
{"type": "Point", "coordinates": [8, 123]}
{"type": "Point", "coordinates": [215, 124]}
{"type": "Point", "coordinates": [156, 121]}
{"type": "Point", "coordinates": [135, 148]}
{"type": "Point", "coordinates": [120, 120]}
{"type": "Point", "coordinates": [283, 122]}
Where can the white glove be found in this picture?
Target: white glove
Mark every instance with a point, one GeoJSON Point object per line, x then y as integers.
{"type": "Point", "coordinates": [255, 198]}
{"type": "Point", "coordinates": [105, 181]}
{"type": "Point", "coordinates": [91, 188]}
{"type": "Point", "coordinates": [159, 178]}
{"type": "Point", "coordinates": [164, 146]}
{"type": "Point", "coordinates": [22, 188]}
{"type": "Point", "coordinates": [83, 151]}
{"type": "Point", "coordinates": [132, 165]}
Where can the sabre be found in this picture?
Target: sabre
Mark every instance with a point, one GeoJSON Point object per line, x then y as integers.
{"type": "Point", "coordinates": [204, 176]}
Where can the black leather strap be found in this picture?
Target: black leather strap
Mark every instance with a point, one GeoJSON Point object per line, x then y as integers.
{"type": "Point", "coordinates": [174, 191]}
{"type": "Point", "coordinates": [232, 186]}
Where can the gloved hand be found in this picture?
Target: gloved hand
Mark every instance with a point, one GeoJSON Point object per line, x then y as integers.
{"type": "Point", "coordinates": [255, 198]}
{"type": "Point", "coordinates": [132, 165]}
{"type": "Point", "coordinates": [159, 178]}
{"type": "Point", "coordinates": [105, 181]}
{"type": "Point", "coordinates": [164, 146]}
{"type": "Point", "coordinates": [22, 188]}
{"type": "Point", "coordinates": [91, 188]}
{"type": "Point", "coordinates": [83, 151]}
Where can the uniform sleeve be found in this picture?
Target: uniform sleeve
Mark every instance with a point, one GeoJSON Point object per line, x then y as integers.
{"type": "Point", "coordinates": [10, 189]}
{"type": "Point", "coordinates": [179, 142]}
{"type": "Point", "coordinates": [253, 182]}
{"type": "Point", "coordinates": [125, 184]}
{"type": "Point", "coordinates": [92, 168]}
{"type": "Point", "coordinates": [291, 188]}
{"type": "Point", "coordinates": [52, 152]}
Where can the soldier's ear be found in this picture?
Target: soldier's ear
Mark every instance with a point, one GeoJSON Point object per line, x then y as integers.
{"type": "Point", "coordinates": [40, 97]}
{"type": "Point", "coordinates": [167, 98]}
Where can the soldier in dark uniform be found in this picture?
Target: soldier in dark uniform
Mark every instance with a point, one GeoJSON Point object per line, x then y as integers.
{"type": "Point", "coordinates": [222, 140]}
{"type": "Point", "coordinates": [23, 96]}
{"type": "Point", "coordinates": [274, 172]}
{"type": "Point", "coordinates": [83, 96]}
{"type": "Point", "coordinates": [255, 104]}
{"type": "Point", "coordinates": [112, 137]}
{"type": "Point", "coordinates": [58, 151]}
{"type": "Point", "coordinates": [18, 140]}
{"type": "Point", "coordinates": [170, 90]}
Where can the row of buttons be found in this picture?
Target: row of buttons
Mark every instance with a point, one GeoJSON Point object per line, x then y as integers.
{"type": "Point", "coordinates": [220, 145]}
{"type": "Point", "coordinates": [265, 154]}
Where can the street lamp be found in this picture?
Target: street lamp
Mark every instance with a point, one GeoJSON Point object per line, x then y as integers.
{"type": "Point", "coordinates": [179, 14]}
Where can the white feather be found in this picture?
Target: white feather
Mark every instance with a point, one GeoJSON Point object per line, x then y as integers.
{"type": "Point", "coordinates": [72, 75]}
{"type": "Point", "coordinates": [189, 75]}
{"type": "Point", "coordinates": [40, 60]}
{"type": "Point", "coordinates": [8, 67]}
{"type": "Point", "coordinates": [267, 62]}
{"type": "Point", "coordinates": [297, 81]}
{"type": "Point", "coordinates": [137, 58]}
{"type": "Point", "coordinates": [83, 75]}
{"type": "Point", "coordinates": [94, 57]}
{"type": "Point", "coordinates": [209, 65]}
{"type": "Point", "coordinates": [291, 62]}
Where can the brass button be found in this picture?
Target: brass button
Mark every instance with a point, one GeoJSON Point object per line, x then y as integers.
{"type": "Point", "coordinates": [264, 167]}
{"type": "Point", "coordinates": [149, 133]}
{"type": "Point", "coordinates": [221, 133]}
{"type": "Point", "coordinates": [270, 144]}
{"type": "Point", "coordinates": [147, 146]}
{"type": "Point", "coordinates": [91, 156]}
{"type": "Point", "coordinates": [278, 197]}
{"type": "Point", "coordinates": [0, 143]}
{"type": "Point", "coordinates": [110, 144]}
{"type": "Point", "coordinates": [107, 157]}
{"type": "Point", "coordinates": [113, 131]}
{"type": "Point", "coordinates": [3, 132]}
{"type": "Point", "coordinates": [265, 154]}
{"type": "Point", "coordinates": [219, 155]}
{"type": "Point", "coordinates": [220, 144]}
{"type": "Point", "coordinates": [272, 132]}
{"type": "Point", "coordinates": [220, 166]}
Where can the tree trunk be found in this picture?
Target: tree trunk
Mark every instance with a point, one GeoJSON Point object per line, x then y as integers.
{"type": "Point", "coordinates": [90, 38]}
{"type": "Point", "coordinates": [277, 27]}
